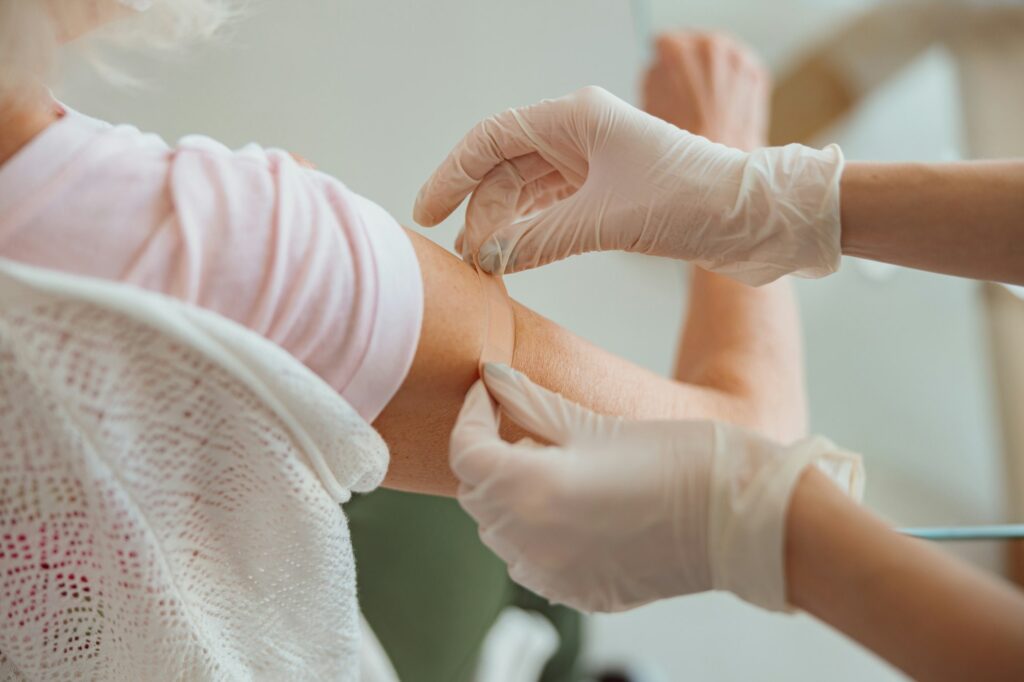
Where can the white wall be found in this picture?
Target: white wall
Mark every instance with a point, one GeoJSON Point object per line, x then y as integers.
{"type": "Point", "coordinates": [376, 92]}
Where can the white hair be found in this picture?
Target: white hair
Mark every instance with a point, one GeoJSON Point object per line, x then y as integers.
{"type": "Point", "coordinates": [30, 30]}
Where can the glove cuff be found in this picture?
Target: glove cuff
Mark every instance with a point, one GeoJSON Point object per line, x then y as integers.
{"type": "Point", "coordinates": [750, 501]}
{"type": "Point", "coordinates": [813, 189]}
{"type": "Point", "coordinates": [788, 212]}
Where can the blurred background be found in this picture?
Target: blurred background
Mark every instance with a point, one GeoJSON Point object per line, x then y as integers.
{"type": "Point", "coordinates": [899, 362]}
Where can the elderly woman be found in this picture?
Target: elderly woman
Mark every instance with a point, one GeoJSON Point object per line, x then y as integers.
{"type": "Point", "coordinates": [393, 323]}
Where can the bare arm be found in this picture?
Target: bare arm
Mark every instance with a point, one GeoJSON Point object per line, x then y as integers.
{"type": "Point", "coordinates": [926, 613]}
{"type": "Point", "coordinates": [964, 219]}
{"type": "Point", "coordinates": [747, 342]}
{"type": "Point", "coordinates": [418, 421]}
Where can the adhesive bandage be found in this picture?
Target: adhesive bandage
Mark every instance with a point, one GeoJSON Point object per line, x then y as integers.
{"type": "Point", "coordinates": [500, 332]}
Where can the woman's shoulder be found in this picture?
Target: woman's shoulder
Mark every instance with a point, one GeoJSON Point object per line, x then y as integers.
{"type": "Point", "coordinates": [256, 185]}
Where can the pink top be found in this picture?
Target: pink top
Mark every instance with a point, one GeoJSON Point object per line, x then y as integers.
{"type": "Point", "coordinates": [286, 251]}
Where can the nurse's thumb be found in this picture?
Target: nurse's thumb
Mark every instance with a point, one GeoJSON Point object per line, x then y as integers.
{"type": "Point", "coordinates": [551, 235]}
{"type": "Point", "coordinates": [476, 446]}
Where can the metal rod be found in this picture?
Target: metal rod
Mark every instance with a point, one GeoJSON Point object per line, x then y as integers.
{"type": "Point", "coordinates": [1010, 531]}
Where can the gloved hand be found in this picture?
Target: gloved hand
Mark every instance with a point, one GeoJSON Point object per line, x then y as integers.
{"type": "Point", "coordinates": [615, 514]}
{"type": "Point", "coordinates": [588, 172]}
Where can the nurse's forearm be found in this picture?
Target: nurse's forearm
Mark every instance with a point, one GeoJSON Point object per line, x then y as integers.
{"type": "Point", "coordinates": [926, 613]}
{"type": "Point", "coordinates": [964, 219]}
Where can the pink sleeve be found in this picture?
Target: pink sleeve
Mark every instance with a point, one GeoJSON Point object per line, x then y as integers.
{"type": "Point", "coordinates": [294, 255]}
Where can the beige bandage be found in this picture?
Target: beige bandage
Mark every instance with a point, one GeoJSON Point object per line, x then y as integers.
{"type": "Point", "coordinates": [500, 332]}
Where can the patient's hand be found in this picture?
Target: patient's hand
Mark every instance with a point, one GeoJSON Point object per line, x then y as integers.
{"type": "Point", "coordinates": [709, 84]}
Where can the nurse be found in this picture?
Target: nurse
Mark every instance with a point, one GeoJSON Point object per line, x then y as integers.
{"type": "Point", "coordinates": [612, 514]}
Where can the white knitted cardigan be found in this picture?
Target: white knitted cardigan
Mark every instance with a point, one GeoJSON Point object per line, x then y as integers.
{"type": "Point", "coordinates": [170, 489]}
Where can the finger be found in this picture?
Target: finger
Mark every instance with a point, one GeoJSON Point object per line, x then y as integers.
{"type": "Point", "coordinates": [512, 480]}
{"type": "Point", "coordinates": [743, 53]}
{"type": "Point", "coordinates": [493, 206]}
{"type": "Point", "coordinates": [538, 410]}
{"type": "Point", "coordinates": [655, 76]}
{"type": "Point", "coordinates": [496, 210]}
{"type": "Point", "coordinates": [691, 74]}
{"type": "Point", "coordinates": [549, 235]}
{"type": "Point", "coordinates": [532, 167]}
{"type": "Point", "coordinates": [542, 181]}
{"type": "Point", "coordinates": [476, 448]}
{"type": "Point", "coordinates": [496, 201]}
{"type": "Point", "coordinates": [757, 72]}
{"type": "Point", "coordinates": [495, 215]}
{"type": "Point", "coordinates": [668, 44]}
{"type": "Point", "coordinates": [543, 193]}
{"type": "Point", "coordinates": [492, 141]}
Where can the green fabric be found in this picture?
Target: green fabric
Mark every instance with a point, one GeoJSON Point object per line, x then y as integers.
{"type": "Point", "coordinates": [431, 590]}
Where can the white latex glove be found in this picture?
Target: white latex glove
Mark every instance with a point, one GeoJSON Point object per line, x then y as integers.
{"type": "Point", "coordinates": [615, 513]}
{"type": "Point", "coordinates": [588, 172]}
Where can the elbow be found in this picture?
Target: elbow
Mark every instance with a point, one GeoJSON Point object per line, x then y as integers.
{"type": "Point", "coordinates": [772, 404]}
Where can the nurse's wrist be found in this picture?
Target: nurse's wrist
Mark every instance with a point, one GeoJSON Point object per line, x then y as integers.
{"type": "Point", "coordinates": [806, 521]}
{"type": "Point", "coordinates": [828, 543]}
{"type": "Point", "coordinates": [865, 227]}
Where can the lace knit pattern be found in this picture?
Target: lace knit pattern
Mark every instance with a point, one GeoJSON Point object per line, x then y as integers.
{"type": "Point", "coordinates": [158, 520]}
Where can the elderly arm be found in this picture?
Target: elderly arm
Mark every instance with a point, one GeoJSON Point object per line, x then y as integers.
{"type": "Point", "coordinates": [734, 357]}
